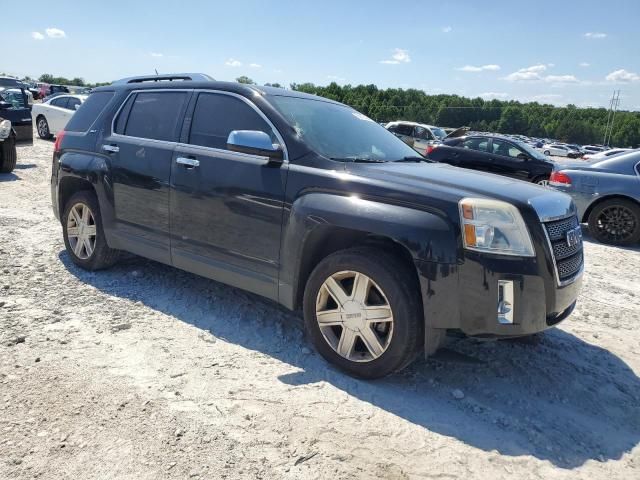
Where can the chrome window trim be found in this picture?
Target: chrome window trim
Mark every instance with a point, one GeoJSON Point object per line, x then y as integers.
{"type": "Point", "coordinates": [241, 156]}
{"type": "Point", "coordinates": [211, 149]}
{"type": "Point", "coordinates": [568, 281]}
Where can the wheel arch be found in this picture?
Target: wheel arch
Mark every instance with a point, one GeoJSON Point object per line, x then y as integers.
{"type": "Point", "coordinates": [604, 198]}
{"type": "Point", "coordinates": [68, 186]}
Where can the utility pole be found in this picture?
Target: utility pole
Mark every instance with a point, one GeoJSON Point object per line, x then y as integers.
{"type": "Point", "coordinates": [611, 115]}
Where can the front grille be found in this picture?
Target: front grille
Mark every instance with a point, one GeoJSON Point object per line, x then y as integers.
{"type": "Point", "coordinates": [568, 258]}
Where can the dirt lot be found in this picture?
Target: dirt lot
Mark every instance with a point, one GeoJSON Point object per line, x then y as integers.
{"type": "Point", "coordinates": [146, 372]}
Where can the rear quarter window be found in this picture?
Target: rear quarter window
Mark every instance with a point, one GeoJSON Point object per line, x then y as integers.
{"type": "Point", "coordinates": [89, 111]}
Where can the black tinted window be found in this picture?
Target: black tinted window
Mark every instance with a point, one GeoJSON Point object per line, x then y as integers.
{"type": "Point", "coordinates": [480, 144]}
{"type": "Point", "coordinates": [216, 116]}
{"type": "Point", "coordinates": [71, 105]}
{"type": "Point", "coordinates": [403, 130]}
{"type": "Point", "coordinates": [59, 102]}
{"type": "Point", "coordinates": [156, 115]}
{"type": "Point", "coordinates": [88, 112]}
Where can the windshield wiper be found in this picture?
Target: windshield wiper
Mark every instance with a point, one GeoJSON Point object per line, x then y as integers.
{"type": "Point", "coordinates": [415, 159]}
{"type": "Point", "coordinates": [357, 159]}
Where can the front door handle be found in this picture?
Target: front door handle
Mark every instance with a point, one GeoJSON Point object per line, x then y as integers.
{"type": "Point", "coordinates": [189, 162]}
{"type": "Point", "coordinates": [111, 148]}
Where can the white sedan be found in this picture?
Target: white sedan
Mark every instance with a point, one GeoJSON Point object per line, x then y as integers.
{"type": "Point", "coordinates": [557, 150]}
{"type": "Point", "coordinates": [52, 116]}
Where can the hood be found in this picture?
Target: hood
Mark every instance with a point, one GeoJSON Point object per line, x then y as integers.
{"type": "Point", "coordinates": [437, 182]}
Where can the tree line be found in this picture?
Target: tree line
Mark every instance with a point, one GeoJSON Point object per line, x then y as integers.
{"type": "Point", "coordinates": [568, 124]}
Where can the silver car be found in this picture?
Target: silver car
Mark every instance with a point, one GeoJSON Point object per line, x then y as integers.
{"type": "Point", "coordinates": [607, 195]}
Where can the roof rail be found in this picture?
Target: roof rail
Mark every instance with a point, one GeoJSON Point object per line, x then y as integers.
{"type": "Point", "coordinates": [169, 77]}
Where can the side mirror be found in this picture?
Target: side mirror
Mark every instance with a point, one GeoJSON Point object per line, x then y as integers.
{"type": "Point", "coordinates": [5, 105]}
{"type": "Point", "coordinates": [255, 142]}
{"type": "Point", "coordinates": [77, 106]}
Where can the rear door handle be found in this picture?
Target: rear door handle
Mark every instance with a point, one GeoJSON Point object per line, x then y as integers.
{"type": "Point", "coordinates": [111, 148]}
{"type": "Point", "coordinates": [189, 162]}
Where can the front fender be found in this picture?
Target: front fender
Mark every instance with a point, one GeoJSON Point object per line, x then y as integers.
{"type": "Point", "coordinates": [427, 236]}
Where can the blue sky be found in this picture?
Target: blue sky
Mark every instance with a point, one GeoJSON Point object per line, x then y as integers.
{"type": "Point", "coordinates": [551, 51]}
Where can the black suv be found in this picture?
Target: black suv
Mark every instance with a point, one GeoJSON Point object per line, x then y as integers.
{"type": "Point", "coordinates": [310, 203]}
{"type": "Point", "coordinates": [495, 154]}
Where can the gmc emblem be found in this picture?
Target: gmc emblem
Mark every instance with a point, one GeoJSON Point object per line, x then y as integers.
{"type": "Point", "coordinates": [574, 236]}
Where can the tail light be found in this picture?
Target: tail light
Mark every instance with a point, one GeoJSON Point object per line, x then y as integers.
{"type": "Point", "coordinates": [59, 137]}
{"type": "Point", "coordinates": [430, 148]}
{"type": "Point", "coordinates": [559, 178]}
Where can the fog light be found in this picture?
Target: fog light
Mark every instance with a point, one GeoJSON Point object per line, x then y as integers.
{"type": "Point", "coordinates": [505, 302]}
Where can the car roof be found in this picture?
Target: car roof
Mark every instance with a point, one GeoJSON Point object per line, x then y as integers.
{"type": "Point", "coordinates": [413, 124]}
{"type": "Point", "coordinates": [243, 89]}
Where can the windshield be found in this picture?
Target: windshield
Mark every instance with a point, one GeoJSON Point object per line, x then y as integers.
{"type": "Point", "coordinates": [339, 132]}
{"type": "Point", "coordinates": [438, 132]}
{"type": "Point", "coordinates": [532, 152]}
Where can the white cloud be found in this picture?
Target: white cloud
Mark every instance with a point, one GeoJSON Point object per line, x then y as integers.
{"type": "Point", "coordinates": [471, 68]}
{"type": "Point", "coordinates": [232, 62]}
{"type": "Point", "coordinates": [37, 36]}
{"type": "Point", "coordinates": [447, 29]}
{"type": "Point", "coordinates": [622, 76]}
{"type": "Point", "coordinates": [55, 33]}
{"type": "Point", "coordinates": [156, 54]}
{"type": "Point", "coordinates": [527, 74]}
{"type": "Point", "coordinates": [585, 64]}
{"type": "Point", "coordinates": [547, 97]}
{"type": "Point", "coordinates": [561, 79]}
{"type": "Point", "coordinates": [595, 35]}
{"type": "Point", "coordinates": [399, 56]}
{"type": "Point", "coordinates": [255, 65]}
{"type": "Point", "coordinates": [492, 95]}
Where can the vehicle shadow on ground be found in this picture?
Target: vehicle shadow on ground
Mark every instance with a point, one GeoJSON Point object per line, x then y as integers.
{"type": "Point", "coordinates": [564, 400]}
{"type": "Point", "coordinates": [25, 166]}
{"type": "Point", "coordinates": [8, 177]}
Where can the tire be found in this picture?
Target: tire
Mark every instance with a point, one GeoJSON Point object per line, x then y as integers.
{"type": "Point", "coordinates": [547, 153]}
{"type": "Point", "coordinates": [8, 155]}
{"type": "Point", "coordinates": [42, 126]}
{"type": "Point", "coordinates": [100, 256]}
{"type": "Point", "coordinates": [392, 287]}
{"type": "Point", "coordinates": [615, 222]}
{"type": "Point", "coordinates": [542, 180]}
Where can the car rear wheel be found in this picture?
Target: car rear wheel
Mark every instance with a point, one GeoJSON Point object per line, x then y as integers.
{"type": "Point", "coordinates": [8, 155]}
{"type": "Point", "coordinates": [542, 181]}
{"type": "Point", "coordinates": [363, 313]}
{"type": "Point", "coordinates": [43, 128]}
{"type": "Point", "coordinates": [615, 221]}
{"type": "Point", "coordinates": [547, 152]}
{"type": "Point", "coordinates": [83, 234]}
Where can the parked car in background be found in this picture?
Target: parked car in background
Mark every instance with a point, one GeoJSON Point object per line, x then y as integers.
{"type": "Point", "coordinates": [607, 196]}
{"type": "Point", "coordinates": [308, 202]}
{"type": "Point", "coordinates": [559, 150]}
{"type": "Point", "coordinates": [52, 115]}
{"type": "Point", "coordinates": [15, 107]}
{"type": "Point", "coordinates": [591, 149]}
{"type": "Point", "coordinates": [47, 90]}
{"type": "Point", "coordinates": [606, 154]}
{"type": "Point", "coordinates": [419, 136]}
{"type": "Point", "coordinates": [495, 154]}
{"type": "Point", "coordinates": [8, 154]}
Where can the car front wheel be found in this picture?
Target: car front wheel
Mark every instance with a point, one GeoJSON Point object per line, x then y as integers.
{"type": "Point", "coordinates": [83, 234]}
{"type": "Point", "coordinates": [363, 312]}
{"type": "Point", "coordinates": [43, 128]}
{"type": "Point", "coordinates": [615, 221]}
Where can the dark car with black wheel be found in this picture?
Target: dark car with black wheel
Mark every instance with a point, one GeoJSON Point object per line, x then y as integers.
{"type": "Point", "coordinates": [14, 106]}
{"type": "Point", "coordinates": [495, 154]}
{"type": "Point", "coordinates": [8, 154]}
{"type": "Point", "coordinates": [309, 203]}
{"type": "Point", "coordinates": [607, 196]}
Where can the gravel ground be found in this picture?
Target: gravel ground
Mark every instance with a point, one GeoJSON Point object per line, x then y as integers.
{"type": "Point", "coordinates": [147, 372]}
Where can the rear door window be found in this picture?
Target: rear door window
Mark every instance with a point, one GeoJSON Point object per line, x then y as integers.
{"type": "Point", "coordinates": [73, 101]}
{"type": "Point", "coordinates": [60, 102]}
{"type": "Point", "coordinates": [217, 115]}
{"type": "Point", "coordinates": [89, 111]}
{"type": "Point", "coordinates": [479, 144]}
{"type": "Point", "coordinates": [156, 115]}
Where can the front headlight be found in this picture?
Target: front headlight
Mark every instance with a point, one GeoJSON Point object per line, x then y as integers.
{"type": "Point", "coordinates": [493, 226]}
{"type": "Point", "coordinates": [5, 129]}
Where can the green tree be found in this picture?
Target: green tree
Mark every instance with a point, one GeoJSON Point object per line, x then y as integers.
{"type": "Point", "coordinates": [245, 79]}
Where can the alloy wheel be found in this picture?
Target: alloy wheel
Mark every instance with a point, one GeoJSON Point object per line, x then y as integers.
{"type": "Point", "coordinates": [616, 223]}
{"type": "Point", "coordinates": [81, 231]}
{"type": "Point", "coordinates": [354, 316]}
{"type": "Point", "coordinates": [544, 182]}
{"type": "Point", "coordinates": [43, 128]}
